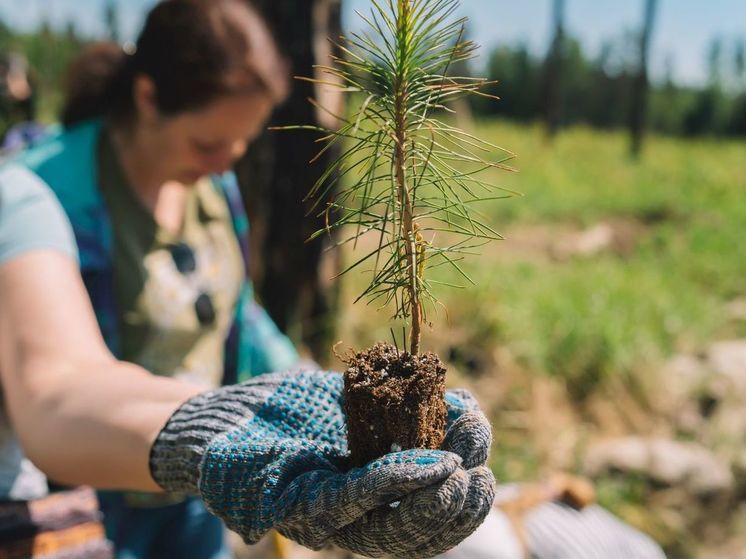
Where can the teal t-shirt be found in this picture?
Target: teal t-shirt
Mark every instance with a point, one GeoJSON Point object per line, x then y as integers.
{"type": "Point", "coordinates": [30, 216]}
{"type": "Point", "coordinates": [31, 219]}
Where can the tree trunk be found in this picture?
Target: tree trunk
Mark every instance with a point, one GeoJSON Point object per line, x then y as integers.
{"type": "Point", "coordinates": [638, 114]}
{"type": "Point", "coordinates": [553, 73]}
{"type": "Point", "coordinates": [293, 277]}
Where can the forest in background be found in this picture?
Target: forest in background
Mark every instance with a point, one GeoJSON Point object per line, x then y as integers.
{"type": "Point", "coordinates": [577, 87]}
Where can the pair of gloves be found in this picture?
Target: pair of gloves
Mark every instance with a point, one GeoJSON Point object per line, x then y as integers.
{"type": "Point", "coordinates": [272, 453]}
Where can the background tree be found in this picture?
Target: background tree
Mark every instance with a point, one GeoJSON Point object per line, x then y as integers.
{"type": "Point", "coordinates": [739, 62]}
{"type": "Point", "coordinates": [553, 71]}
{"type": "Point", "coordinates": [292, 276]}
{"type": "Point", "coordinates": [639, 106]}
{"type": "Point", "coordinates": [111, 20]}
{"type": "Point", "coordinates": [707, 114]}
{"type": "Point", "coordinates": [516, 75]}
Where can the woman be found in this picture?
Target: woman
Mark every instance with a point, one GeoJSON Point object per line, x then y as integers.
{"type": "Point", "coordinates": [142, 170]}
{"type": "Point", "coordinates": [82, 417]}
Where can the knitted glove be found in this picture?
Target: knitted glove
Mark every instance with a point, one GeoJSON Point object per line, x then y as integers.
{"type": "Point", "coordinates": [272, 452]}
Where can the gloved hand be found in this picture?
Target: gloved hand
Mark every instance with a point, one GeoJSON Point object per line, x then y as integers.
{"type": "Point", "coordinates": [272, 452]}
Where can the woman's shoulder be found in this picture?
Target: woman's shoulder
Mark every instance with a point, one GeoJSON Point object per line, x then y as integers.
{"type": "Point", "coordinates": [66, 162]}
{"type": "Point", "coordinates": [30, 216]}
{"type": "Point", "coordinates": [63, 150]}
{"type": "Point", "coordinates": [18, 185]}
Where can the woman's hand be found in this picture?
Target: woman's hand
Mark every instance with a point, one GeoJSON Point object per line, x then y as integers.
{"type": "Point", "coordinates": [272, 452]}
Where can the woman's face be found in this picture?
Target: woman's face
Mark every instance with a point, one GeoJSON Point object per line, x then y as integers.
{"type": "Point", "coordinates": [193, 144]}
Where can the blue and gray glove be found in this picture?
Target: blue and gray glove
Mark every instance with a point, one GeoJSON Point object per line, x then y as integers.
{"type": "Point", "coordinates": [272, 453]}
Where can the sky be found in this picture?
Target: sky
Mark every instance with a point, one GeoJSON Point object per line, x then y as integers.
{"type": "Point", "coordinates": [684, 28]}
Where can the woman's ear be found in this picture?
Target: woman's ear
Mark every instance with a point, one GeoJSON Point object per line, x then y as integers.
{"type": "Point", "coordinates": [144, 97]}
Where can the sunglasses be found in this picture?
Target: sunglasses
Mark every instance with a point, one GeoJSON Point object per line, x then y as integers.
{"type": "Point", "coordinates": [186, 263]}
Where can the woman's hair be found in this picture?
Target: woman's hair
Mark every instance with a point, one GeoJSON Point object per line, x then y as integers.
{"type": "Point", "coordinates": [194, 51]}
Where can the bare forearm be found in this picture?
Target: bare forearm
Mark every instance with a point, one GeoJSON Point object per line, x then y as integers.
{"type": "Point", "coordinates": [81, 415]}
{"type": "Point", "coordinates": [94, 424]}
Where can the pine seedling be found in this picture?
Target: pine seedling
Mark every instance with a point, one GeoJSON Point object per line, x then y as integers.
{"type": "Point", "coordinates": [407, 175]}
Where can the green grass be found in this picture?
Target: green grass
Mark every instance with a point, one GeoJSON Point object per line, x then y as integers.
{"type": "Point", "coordinates": [586, 175]}
{"type": "Point", "coordinates": [587, 318]}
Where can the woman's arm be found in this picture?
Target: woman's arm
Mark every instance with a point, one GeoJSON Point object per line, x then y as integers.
{"type": "Point", "coordinates": [81, 416]}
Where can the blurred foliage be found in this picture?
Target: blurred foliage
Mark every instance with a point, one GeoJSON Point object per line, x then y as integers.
{"type": "Point", "coordinates": [49, 52]}
{"type": "Point", "coordinates": [597, 91]}
{"type": "Point", "coordinates": [586, 318]}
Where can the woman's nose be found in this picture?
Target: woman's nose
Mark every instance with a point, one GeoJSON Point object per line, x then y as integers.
{"type": "Point", "coordinates": [238, 149]}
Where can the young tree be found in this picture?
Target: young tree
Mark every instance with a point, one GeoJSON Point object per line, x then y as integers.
{"type": "Point", "coordinates": [409, 174]}
{"type": "Point", "coordinates": [410, 179]}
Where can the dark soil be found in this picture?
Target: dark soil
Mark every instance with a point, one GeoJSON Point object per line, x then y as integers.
{"type": "Point", "coordinates": [393, 401]}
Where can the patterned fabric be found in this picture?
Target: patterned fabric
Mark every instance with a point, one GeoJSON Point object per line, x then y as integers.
{"type": "Point", "coordinates": [183, 530]}
{"type": "Point", "coordinates": [175, 290]}
{"type": "Point", "coordinates": [64, 525]}
{"type": "Point", "coordinates": [66, 161]}
{"type": "Point", "coordinates": [272, 452]}
{"type": "Point", "coordinates": [558, 531]}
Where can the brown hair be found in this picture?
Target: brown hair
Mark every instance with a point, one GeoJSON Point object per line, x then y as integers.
{"type": "Point", "coordinates": [195, 51]}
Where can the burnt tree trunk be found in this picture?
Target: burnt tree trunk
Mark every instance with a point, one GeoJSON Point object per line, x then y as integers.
{"type": "Point", "coordinates": [638, 113]}
{"type": "Point", "coordinates": [552, 94]}
{"type": "Point", "coordinates": [293, 277]}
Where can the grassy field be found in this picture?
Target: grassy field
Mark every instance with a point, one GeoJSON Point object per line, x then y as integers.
{"type": "Point", "coordinates": [587, 318]}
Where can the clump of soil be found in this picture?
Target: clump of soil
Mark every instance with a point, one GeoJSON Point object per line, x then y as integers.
{"type": "Point", "coordinates": [393, 401]}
